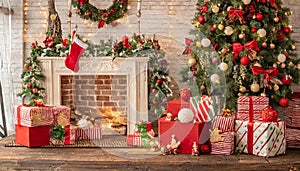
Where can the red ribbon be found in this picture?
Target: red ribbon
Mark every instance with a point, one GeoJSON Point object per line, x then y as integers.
{"type": "Point", "coordinates": [273, 4]}
{"type": "Point", "coordinates": [18, 115]}
{"type": "Point", "coordinates": [236, 13]}
{"type": "Point", "coordinates": [67, 135]}
{"type": "Point", "coordinates": [250, 127]}
{"type": "Point", "coordinates": [238, 47]}
{"type": "Point", "coordinates": [268, 73]}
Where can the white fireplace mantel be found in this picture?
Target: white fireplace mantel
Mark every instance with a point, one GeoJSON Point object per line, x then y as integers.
{"type": "Point", "coordinates": [134, 68]}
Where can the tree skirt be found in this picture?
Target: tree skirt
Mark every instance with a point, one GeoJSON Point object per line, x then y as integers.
{"type": "Point", "coordinates": [107, 141]}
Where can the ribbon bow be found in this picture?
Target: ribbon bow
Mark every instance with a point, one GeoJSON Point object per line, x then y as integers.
{"type": "Point", "coordinates": [237, 14]}
{"type": "Point", "coordinates": [268, 73]}
{"type": "Point", "coordinates": [273, 4]}
{"type": "Point", "coordinates": [251, 46]}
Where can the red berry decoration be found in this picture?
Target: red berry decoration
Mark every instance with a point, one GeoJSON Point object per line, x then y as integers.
{"type": "Point", "coordinates": [269, 114]}
{"type": "Point", "coordinates": [159, 81]}
{"type": "Point", "coordinates": [185, 94]}
{"type": "Point", "coordinates": [35, 90]}
{"type": "Point", "coordinates": [201, 19]}
{"type": "Point", "coordinates": [212, 28]}
{"type": "Point", "coordinates": [253, 30]}
{"type": "Point", "coordinates": [245, 60]}
{"type": "Point", "coordinates": [287, 30]}
{"type": "Point", "coordinates": [29, 85]}
{"type": "Point", "coordinates": [264, 45]}
{"type": "Point", "coordinates": [259, 16]}
{"type": "Point", "coordinates": [204, 149]}
{"type": "Point", "coordinates": [286, 80]}
{"type": "Point", "coordinates": [284, 102]}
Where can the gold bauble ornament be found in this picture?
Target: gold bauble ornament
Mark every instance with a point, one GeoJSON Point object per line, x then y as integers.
{"type": "Point", "coordinates": [282, 65]}
{"type": "Point", "coordinates": [298, 66]}
{"type": "Point", "coordinates": [293, 47]}
{"type": "Point", "coordinates": [257, 64]}
{"type": "Point", "coordinates": [261, 32]}
{"type": "Point", "coordinates": [223, 66]}
{"type": "Point", "coordinates": [241, 35]}
{"type": "Point", "coordinates": [276, 87]}
{"type": "Point", "coordinates": [228, 30]}
{"type": "Point", "coordinates": [246, 2]}
{"type": "Point", "coordinates": [240, 94]}
{"type": "Point", "coordinates": [263, 94]}
{"type": "Point", "coordinates": [224, 51]}
{"type": "Point", "coordinates": [243, 89]}
{"type": "Point", "coordinates": [272, 45]}
{"type": "Point", "coordinates": [220, 26]}
{"type": "Point", "coordinates": [215, 9]}
{"type": "Point", "coordinates": [281, 57]}
{"type": "Point", "coordinates": [198, 44]}
{"type": "Point", "coordinates": [275, 65]}
{"type": "Point", "coordinates": [291, 64]}
{"type": "Point", "coordinates": [276, 19]}
{"type": "Point", "coordinates": [192, 61]}
{"type": "Point", "coordinates": [254, 87]}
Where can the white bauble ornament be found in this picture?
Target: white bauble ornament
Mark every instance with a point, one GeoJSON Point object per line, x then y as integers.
{"type": "Point", "coordinates": [254, 87]}
{"type": "Point", "coordinates": [275, 65]}
{"type": "Point", "coordinates": [281, 57]}
{"type": "Point", "coordinates": [263, 94]}
{"type": "Point", "coordinates": [205, 42]}
{"type": "Point", "coordinates": [276, 19]}
{"type": "Point", "coordinates": [223, 66]}
{"type": "Point", "coordinates": [185, 115]}
{"type": "Point", "coordinates": [272, 45]}
{"type": "Point", "coordinates": [215, 9]}
{"type": "Point", "coordinates": [192, 61]}
{"type": "Point", "coordinates": [220, 26]}
{"type": "Point", "coordinates": [257, 64]}
{"type": "Point", "coordinates": [215, 78]}
{"type": "Point", "coordinates": [83, 123]}
{"type": "Point", "coordinates": [242, 35]}
{"type": "Point", "coordinates": [246, 2]}
{"type": "Point", "coordinates": [261, 32]}
{"type": "Point", "coordinates": [228, 30]}
{"type": "Point", "coordinates": [276, 87]}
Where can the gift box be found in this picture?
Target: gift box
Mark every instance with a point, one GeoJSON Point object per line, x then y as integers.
{"type": "Point", "coordinates": [136, 139]}
{"type": "Point", "coordinates": [292, 138]}
{"type": "Point", "coordinates": [186, 133]}
{"type": "Point", "coordinates": [174, 107]}
{"type": "Point", "coordinates": [33, 136]}
{"type": "Point", "coordinates": [32, 116]}
{"type": "Point", "coordinates": [251, 103]}
{"type": "Point", "coordinates": [223, 123]}
{"type": "Point", "coordinates": [292, 112]}
{"type": "Point", "coordinates": [202, 108]}
{"type": "Point", "coordinates": [61, 116]}
{"type": "Point", "coordinates": [261, 138]}
{"type": "Point", "coordinates": [224, 147]}
{"type": "Point", "coordinates": [69, 136]}
{"type": "Point", "coordinates": [89, 133]}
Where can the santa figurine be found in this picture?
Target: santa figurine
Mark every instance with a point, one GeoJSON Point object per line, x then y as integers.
{"type": "Point", "coordinates": [174, 145]}
{"type": "Point", "coordinates": [195, 151]}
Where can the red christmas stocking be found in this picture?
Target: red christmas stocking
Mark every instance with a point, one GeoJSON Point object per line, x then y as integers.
{"type": "Point", "coordinates": [72, 60]}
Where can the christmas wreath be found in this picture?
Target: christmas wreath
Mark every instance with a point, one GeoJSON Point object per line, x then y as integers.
{"type": "Point", "coordinates": [102, 16]}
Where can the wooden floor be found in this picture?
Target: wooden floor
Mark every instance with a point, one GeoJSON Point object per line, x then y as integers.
{"type": "Point", "coordinates": [22, 158]}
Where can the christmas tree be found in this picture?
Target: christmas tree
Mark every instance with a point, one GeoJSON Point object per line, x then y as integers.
{"type": "Point", "coordinates": [32, 76]}
{"type": "Point", "coordinates": [242, 47]}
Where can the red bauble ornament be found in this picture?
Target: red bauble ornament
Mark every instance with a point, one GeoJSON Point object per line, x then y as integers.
{"type": "Point", "coordinates": [287, 54]}
{"type": "Point", "coordinates": [287, 30]}
{"type": "Point", "coordinates": [159, 81]}
{"type": "Point", "coordinates": [264, 45]}
{"type": "Point", "coordinates": [245, 60]}
{"type": "Point", "coordinates": [185, 94]}
{"type": "Point", "coordinates": [35, 90]}
{"type": "Point", "coordinates": [253, 30]}
{"type": "Point", "coordinates": [224, 51]}
{"type": "Point", "coordinates": [263, 1]}
{"type": "Point", "coordinates": [212, 28]}
{"type": "Point", "coordinates": [26, 67]}
{"type": "Point", "coordinates": [65, 42]}
{"type": "Point", "coordinates": [204, 149]}
{"type": "Point", "coordinates": [201, 19]}
{"type": "Point", "coordinates": [88, 13]}
{"type": "Point", "coordinates": [286, 80]}
{"type": "Point", "coordinates": [29, 85]}
{"type": "Point", "coordinates": [155, 102]}
{"type": "Point", "coordinates": [259, 16]}
{"type": "Point", "coordinates": [244, 22]}
{"type": "Point", "coordinates": [269, 114]}
{"type": "Point", "coordinates": [284, 102]}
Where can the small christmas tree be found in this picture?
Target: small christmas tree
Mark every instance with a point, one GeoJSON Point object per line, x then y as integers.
{"type": "Point", "coordinates": [32, 76]}
{"type": "Point", "coordinates": [242, 47]}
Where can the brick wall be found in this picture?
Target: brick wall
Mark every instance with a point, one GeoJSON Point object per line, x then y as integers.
{"type": "Point", "coordinates": [92, 93]}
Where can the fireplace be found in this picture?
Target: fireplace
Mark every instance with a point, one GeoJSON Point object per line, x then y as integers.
{"type": "Point", "coordinates": [120, 86]}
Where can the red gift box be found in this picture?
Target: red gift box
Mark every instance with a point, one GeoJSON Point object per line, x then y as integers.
{"type": "Point", "coordinates": [32, 136]}
{"type": "Point", "coordinates": [224, 147]}
{"type": "Point", "coordinates": [186, 133]}
{"type": "Point", "coordinates": [89, 133]}
{"type": "Point", "coordinates": [69, 138]}
{"type": "Point", "coordinates": [223, 123]}
{"type": "Point", "coordinates": [174, 107]}
{"type": "Point", "coordinates": [61, 116]}
{"type": "Point", "coordinates": [255, 104]}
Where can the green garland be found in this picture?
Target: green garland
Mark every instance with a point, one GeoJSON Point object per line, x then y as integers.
{"type": "Point", "coordinates": [103, 16]}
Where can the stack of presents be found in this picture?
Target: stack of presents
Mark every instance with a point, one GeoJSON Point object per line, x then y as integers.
{"type": "Point", "coordinates": [41, 125]}
{"type": "Point", "coordinates": [194, 127]}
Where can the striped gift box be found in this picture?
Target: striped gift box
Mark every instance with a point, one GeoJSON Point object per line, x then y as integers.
{"type": "Point", "coordinates": [61, 115]}
{"type": "Point", "coordinates": [254, 103]}
{"type": "Point", "coordinates": [32, 116]}
{"type": "Point", "coordinates": [224, 147]}
{"type": "Point", "coordinates": [223, 123]}
{"type": "Point", "coordinates": [293, 138]}
{"type": "Point", "coordinates": [202, 108]}
{"type": "Point", "coordinates": [90, 133]}
{"type": "Point", "coordinates": [261, 138]}
{"type": "Point", "coordinates": [137, 139]}
{"type": "Point", "coordinates": [292, 114]}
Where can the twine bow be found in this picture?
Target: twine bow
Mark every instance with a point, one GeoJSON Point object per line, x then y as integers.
{"type": "Point", "coordinates": [251, 46]}
{"type": "Point", "coordinates": [268, 73]}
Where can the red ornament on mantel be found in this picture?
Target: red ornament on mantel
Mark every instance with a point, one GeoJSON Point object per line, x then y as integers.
{"type": "Point", "coordinates": [159, 81]}
{"type": "Point", "coordinates": [286, 80]}
{"type": "Point", "coordinates": [269, 114]}
{"type": "Point", "coordinates": [284, 102]}
{"type": "Point", "coordinates": [201, 19]}
{"type": "Point", "coordinates": [245, 60]}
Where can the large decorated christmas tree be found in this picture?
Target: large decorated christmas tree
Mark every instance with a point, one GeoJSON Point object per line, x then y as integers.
{"type": "Point", "coordinates": [242, 47]}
